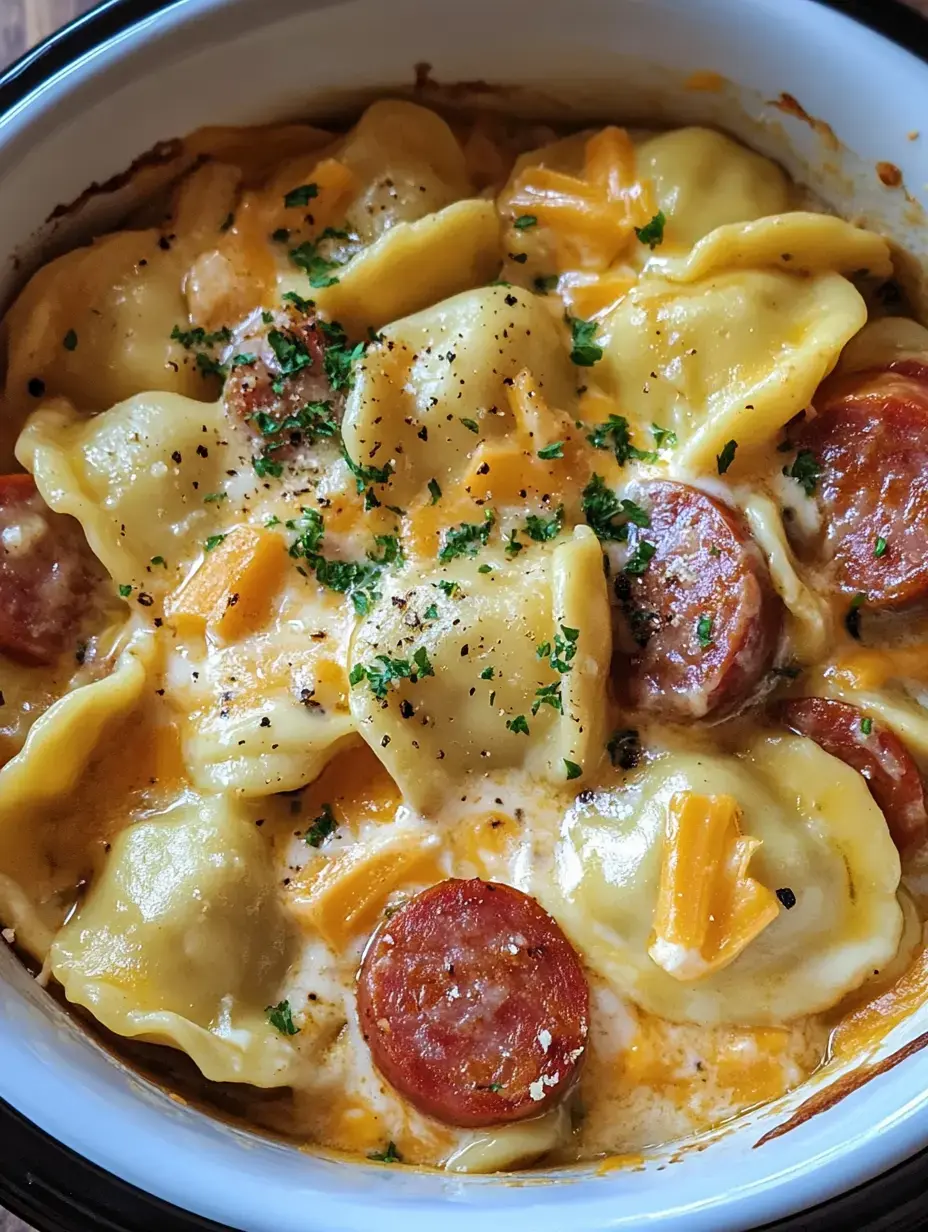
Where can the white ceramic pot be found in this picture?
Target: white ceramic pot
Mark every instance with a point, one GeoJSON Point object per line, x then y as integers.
{"type": "Point", "coordinates": [82, 112]}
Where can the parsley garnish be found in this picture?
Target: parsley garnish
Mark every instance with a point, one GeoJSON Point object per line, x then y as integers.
{"type": "Point", "coordinates": [390, 1156]}
{"type": "Point", "coordinates": [301, 196]}
{"type": "Point", "coordinates": [125, 590]}
{"type": "Point", "coordinates": [542, 530]}
{"type": "Point", "coordinates": [663, 437]}
{"type": "Point", "coordinates": [159, 560]}
{"type": "Point", "coordinates": [302, 305]}
{"type": "Point", "coordinates": [866, 726]}
{"type": "Point", "coordinates": [449, 588]}
{"type": "Point", "coordinates": [513, 546]}
{"type": "Point", "coordinates": [213, 542]}
{"type": "Point", "coordinates": [524, 221]}
{"type": "Point", "coordinates": [518, 724]}
{"type": "Point", "coordinates": [806, 470]}
{"type": "Point", "coordinates": [266, 466]}
{"type": "Point", "coordinates": [321, 827]}
{"type": "Point", "coordinates": [431, 612]}
{"type": "Point", "coordinates": [724, 460]}
{"type": "Point", "coordinates": [614, 435]}
{"type": "Point", "coordinates": [209, 366]}
{"type": "Point", "coordinates": [340, 357]}
{"type": "Point", "coordinates": [624, 748]}
{"type": "Point", "coordinates": [488, 673]}
{"type": "Point", "coordinates": [291, 352]}
{"type": "Point", "coordinates": [639, 560]}
{"type": "Point", "coordinates": [556, 450]}
{"type": "Point", "coordinates": [585, 351]}
{"type": "Point", "coordinates": [319, 269]}
{"type": "Point", "coordinates": [601, 507]}
{"type": "Point", "coordinates": [215, 496]}
{"type": "Point", "coordinates": [704, 631]}
{"type": "Point", "coordinates": [357, 579]}
{"type": "Point", "coordinates": [423, 665]}
{"type": "Point", "coordinates": [470, 424]}
{"type": "Point", "coordinates": [466, 539]}
{"type": "Point", "coordinates": [573, 770]}
{"type": "Point", "coordinates": [267, 317]}
{"type": "Point", "coordinates": [356, 675]}
{"type": "Point", "coordinates": [69, 342]}
{"type": "Point", "coordinates": [281, 1017]}
{"type": "Point", "coordinates": [485, 569]}
{"type": "Point", "coordinates": [565, 649]}
{"type": "Point", "coordinates": [434, 491]}
{"type": "Point", "coordinates": [245, 360]}
{"type": "Point", "coordinates": [272, 521]}
{"type": "Point", "coordinates": [548, 695]}
{"type": "Point", "coordinates": [879, 548]}
{"type": "Point", "coordinates": [652, 233]}
{"type": "Point", "coordinates": [198, 337]}
{"type": "Point", "coordinates": [363, 475]}
{"type": "Point", "coordinates": [384, 672]}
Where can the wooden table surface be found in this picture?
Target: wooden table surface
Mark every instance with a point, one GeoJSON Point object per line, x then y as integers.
{"type": "Point", "coordinates": [23, 23]}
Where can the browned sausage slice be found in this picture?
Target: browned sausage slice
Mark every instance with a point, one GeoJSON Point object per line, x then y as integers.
{"type": "Point", "coordinates": [474, 1004]}
{"type": "Point", "coordinates": [46, 574]}
{"type": "Point", "coordinates": [870, 439]}
{"type": "Point", "coordinates": [875, 752]}
{"type": "Point", "coordinates": [701, 617]}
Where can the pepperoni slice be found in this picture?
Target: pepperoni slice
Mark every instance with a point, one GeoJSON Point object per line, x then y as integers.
{"type": "Point", "coordinates": [870, 438]}
{"type": "Point", "coordinates": [877, 753]}
{"type": "Point", "coordinates": [474, 1004]}
{"type": "Point", "coordinates": [701, 618]}
{"type": "Point", "coordinates": [46, 574]}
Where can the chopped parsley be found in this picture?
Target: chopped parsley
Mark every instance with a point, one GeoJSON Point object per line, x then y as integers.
{"type": "Point", "coordinates": [624, 748]}
{"type": "Point", "coordinates": [555, 450]}
{"type": "Point", "coordinates": [198, 337]}
{"type": "Point", "coordinates": [318, 268]}
{"type": "Point", "coordinates": [585, 350]}
{"type": "Point", "coordinates": [434, 491]}
{"type": "Point", "coordinates": [390, 1156]}
{"type": "Point", "coordinates": [573, 770]}
{"type": "Point", "coordinates": [384, 671]}
{"type": "Point", "coordinates": [614, 435]}
{"type": "Point", "coordinates": [321, 827]}
{"type": "Point", "coordinates": [125, 590]}
{"type": "Point", "coordinates": [565, 649]}
{"type": "Point", "coordinates": [211, 497]}
{"type": "Point", "coordinates": [449, 588]}
{"type": "Point", "coordinates": [356, 675]}
{"type": "Point", "coordinates": [639, 560]}
{"type": "Point", "coordinates": [431, 612]}
{"type": "Point", "coordinates": [652, 233]}
{"type": "Point", "coordinates": [470, 424]}
{"type": "Point", "coordinates": [159, 560]}
{"type": "Point", "coordinates": [209, 366]}
{"type": "Point", "coordinates": [272, 521]}
{"type": "Point", "coordinates": [213, 542]}
{"type": "Point", "coordinates": [543, 530]}
{"type": "Point", "coordinates": [69, 341]}
{"type": "Point", "coordinates": [806, 470]}
{"type": "Point", "coordinates": [281, 1017]}
{"type": "Point", "coordinates": [301, 196]}
{"type": "Point", "coordinates": [363, 475]}
{"type": "Point", "coordinates": [466, 539]}
{"type": "Point", "coordinates": [356, 579]}
{"type": "Point", "coordinates": [513, 546]}
{"type": "Point", "coordinates": [340, 356]}
{"type": "Point", "coordinates": [601, 507]}
{"type": "Point", "coordinates": [704, 631]}
{"type": "Point", "coordinates": [485, 569]}
{"type": "Point", "coordinates": [525, 221]}
{"type": "Point", "coordinates": [724, 460]}
{"type": "Point", "coordinates": [664, 438]}
{"type": "Point", "coordinates": [245, 360]}
{"type": "Point", "coordinates": [548, 695]}
{"type": "Point", "coordinates": [866, 726]}
{"type": "Point", "coordinates": [302, 305]}
{"type": "Point", "coordinates": [879, 548]}
{"type": "Point", "coordinates": [291, 352]}
{"type": "Point", "coordinates": [423, 664]}
{"type": "Point", "coordinates": [852, 615]}
{"type": "Point", "coordinates": [267, 317]}
{"type": "Point", "coordinates": [517, 725]}
{"type": "Point", "coordinates": [265, 466]}
{"type": "Point", "coordinates": [488, 673]}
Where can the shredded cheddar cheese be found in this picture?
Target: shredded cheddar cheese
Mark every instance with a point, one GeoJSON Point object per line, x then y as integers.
{"type": "Point", "coordinates": [230, 591]}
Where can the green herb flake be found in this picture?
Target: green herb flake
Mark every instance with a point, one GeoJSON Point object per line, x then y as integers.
{"type": "Point", "coordinates": [614, 434]}
{"type": "Point", "coordinates": [356, 675]}
{"type": "Point", "coordinates": [513, 546]}
{"type": "Point", "coordinates": [364, 475]}
{"type": "Point", "coordinates": [880, 546]}
{"type": "Point", "coordinates": [608, 516]}
{"type": "Point", "coordinates": [866, 726]}
{"type": "Point", "coordinates": [272, 521]}
{"type": "Point", "coordinates": [806, 470]}
{"type": "Point", "coordinates": [434, 491]}
{"type": "Point", "coordinates": [267, 317]}
{"type": "Point", "coordinates": [664, 438]}
{"type": "Point", "coordinates": [548, 695]}
{"type": "Point", "coordinates": [390, 1156]}
{"type": "Point", "coordinates": [198, 337]}
{"type": "Point", "coordinates": [281, 1017]}
{"type": "Point", "coordinates": [518, 725]}
{"type": "Point", "coordinates": [321, 827]}
{"type": "Point", "coordinates": [488, 673]}
{"type": "Point", "coordinates": [431, 612]}
{"type": "Point", "coordinates": [449, 588]}
{"type": "Point", "coordinates": [639, 560]}
{"type": "Point", "coordinates": [573, 770]}
{"type": "Point", "coordinates": [302, 305]}
{"type": "Point", "coordinates": [69, 341]}
{"type": "Point", "coordinates": [301, 196]}
{"type": "Point", "coordinates": [245, 360]}
{"type": "Point", "coordinates": [525, 221]}
{"type": "Point", "coordinates": [159, 560]}
{"type": "Point", "coordinates": [265, 467]}
{"type": "Point", "coordinates": [470, 424]}
{"type": "Point", "coordinates": [125, 590]}
{"type": "Point", "coordinates": [652, 233]}
{"type": "Point", "coordinates": [485, 569]}
{"type": "Point", "coordinates": [466, 539]}
{"type": "Point", "coordinates": [423, 664]}
{"type": "Point", "coordinates": [704, 631]}
{"type": "Point", "coordinates": [585, 351]}
{"type": "Point", "coordinates": [543, 530]}
{"type": "Point", "coordinates": [212, 497]}
{"type": "Point", "coordinates": [724, 460]}
{"type": "Point", "coordinates": [213, 542]}
{"type": "Point", "coordinates": [318, 268]}
{"type": "Point", "coordinates": [556, 450]}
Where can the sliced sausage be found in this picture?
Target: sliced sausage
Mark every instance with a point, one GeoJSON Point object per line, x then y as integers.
{"type": "Point", "coordinates": [700, 616]}
{"type": "Point", "coordinates": [474, 1004]}
{"type": "Point", "coordinates": [46, 574]}
{"type": "Point", "coordinates": [875, 752]}
{"type": "Point", "coordinates": [281, 370]}
{"type": "Point", "coordinates": [870, 439]}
